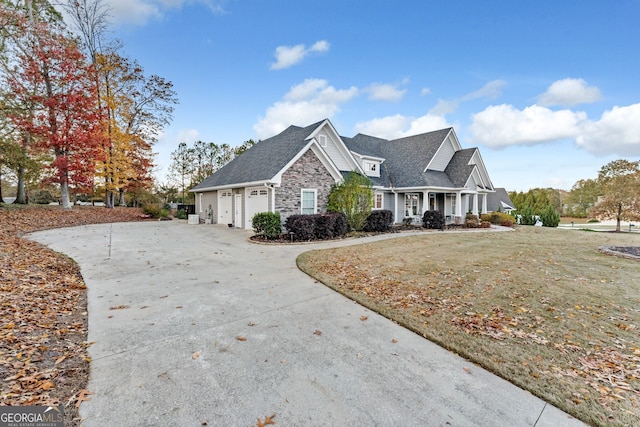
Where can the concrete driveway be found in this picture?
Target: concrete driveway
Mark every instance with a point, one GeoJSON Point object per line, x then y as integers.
{"type": "Point", "coordinates": [193, 325]}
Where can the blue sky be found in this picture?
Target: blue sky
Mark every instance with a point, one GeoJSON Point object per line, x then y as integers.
{"type": "Point", "coordinates": [548, 90]}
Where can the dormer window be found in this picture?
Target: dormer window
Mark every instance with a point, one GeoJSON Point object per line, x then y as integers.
{"type": "Point", "coordinates": [371, 168]}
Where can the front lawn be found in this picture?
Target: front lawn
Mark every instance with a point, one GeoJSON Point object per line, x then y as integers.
{"type": "Point", "coordinates": [540, 307]}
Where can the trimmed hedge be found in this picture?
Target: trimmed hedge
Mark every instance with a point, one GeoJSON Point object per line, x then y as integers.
{"type": "Point", "coordinates": [433, 220]}
{"type": "Point", "coordinates": [379, 221]}
{"type": "Point", "coordinates": [316, 227]}
{"type": "Point", "coordinates": [268, 224]}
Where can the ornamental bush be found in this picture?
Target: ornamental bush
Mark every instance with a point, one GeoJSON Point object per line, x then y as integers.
{"type": "Point", "coordinates": [433, 220]}
{"type": "Point", "coordinates": [303, 227]}
{"type": "Point", "coordinates": [379, 221]}
{"type": "Point", "coordinates": [267, 224]}
{"type": "Point", "coordinates": [550, 217]}
{"type": "Point", "coordinates": [317, 227]}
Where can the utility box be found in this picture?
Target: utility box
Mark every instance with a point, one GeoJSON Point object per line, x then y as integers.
{"type": "Point", "coordinates": [193, 219]}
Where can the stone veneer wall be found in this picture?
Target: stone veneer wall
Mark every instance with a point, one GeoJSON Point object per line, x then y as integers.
{"type": "Point", "coordinates": [308, 172]}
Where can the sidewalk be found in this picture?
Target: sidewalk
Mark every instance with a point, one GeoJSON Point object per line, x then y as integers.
{"type": "Point", "coordinates": [192, 325]}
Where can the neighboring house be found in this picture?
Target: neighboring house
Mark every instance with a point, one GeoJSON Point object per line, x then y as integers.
{"type": "Point", "coordinates": [499, 201]}
{"type": "Point", "coordinates": [293, 172]}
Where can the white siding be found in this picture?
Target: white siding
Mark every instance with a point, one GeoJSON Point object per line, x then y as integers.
{"type": "Point", "coordinates": [443, 156]}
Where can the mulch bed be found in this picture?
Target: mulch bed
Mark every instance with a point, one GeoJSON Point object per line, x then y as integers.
{"type": "Point", "coordinates": [43, 309]}
{"type": "Point", "coordinates": [632, 252]}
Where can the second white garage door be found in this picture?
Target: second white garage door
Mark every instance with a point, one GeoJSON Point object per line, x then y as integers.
{"type": "Point", "coordinates": [257, 200]}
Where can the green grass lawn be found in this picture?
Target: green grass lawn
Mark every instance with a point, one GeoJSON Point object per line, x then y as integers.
{"type": "Point", "coordinates": [540, 307]}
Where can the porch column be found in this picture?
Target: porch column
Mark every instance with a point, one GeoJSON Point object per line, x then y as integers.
{"type": "Point", "coordinates": [475, 204]}
{"type": "Point", "coordinates": [395, 207]}
{"type": "Point", "coordinates": [458, 204]}
{"type": "Point", "coordinates": [425, 202]}
{"type": "Point", "coordinates": [484, 203]}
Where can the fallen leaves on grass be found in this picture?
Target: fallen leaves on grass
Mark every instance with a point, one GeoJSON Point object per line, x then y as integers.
{"type": "Point", "coordinates": [43, 350]}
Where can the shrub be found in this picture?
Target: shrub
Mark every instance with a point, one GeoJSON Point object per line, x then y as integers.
{"type": "Point", "coordinates": [507, 223]}
{"type": "Point", "coordinates": [485, 224]}
{"type": "Point", "coordinates": [471, 221]}
{"type": "Point", "coordinates": [317, 227]}
{"type": "Point", "coordinates": [497, 218]}
{"type": "Point", "coordinates": [152, 209]}
{"type": "Point", "coordinates": [550, 217]}
{"type": "Point", "coordinates": [303, 227]}
{"type": "Point", "coordinates": [341, 226]}
{"type": "Point", "coordinates": [42, 197]}
{"type": "Point", "coordinates": [379, 221]}
{"type": "Point", "coordinates": [527, 217]}
{"type": "Point", "coordinates": [181, 214]}
{"type": "Point", "coordinates": [267, 224]}
{"type": "Point", "coordinates": [324, 227]}
{"type": "Point", "coordinates": [433, 220]}
{"type": "Point", "coordinates": [593, 220]}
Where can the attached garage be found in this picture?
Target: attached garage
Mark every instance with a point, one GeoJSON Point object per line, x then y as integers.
{"type": "Point", "coordinates": [257, 200]}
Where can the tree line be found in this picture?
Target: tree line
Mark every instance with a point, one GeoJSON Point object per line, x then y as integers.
{"type": "Point", "coordinates": [614, 194]}
{"type": "Point", "coordinates": [75, 112]}
{"type": "Point", "coordinates": [190, 165]}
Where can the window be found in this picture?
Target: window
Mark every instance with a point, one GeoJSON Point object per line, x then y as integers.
{"type": "Point", "coordinates": [370, 166]}
{"type": "Point", "coordinates": [200, 201]}
{"type": "Point", "coordinates": [309, 203]}
{"type": "Point", "coordinates": [411, 201]}
{"type": "Point", "coordinates": [322, 139]}
{"type": "Point", "coordinates": [377, 201]}
{"type": "Point", "coordinates": [254, 192]}
{"type": "Point", "coordinates": [263, 192]}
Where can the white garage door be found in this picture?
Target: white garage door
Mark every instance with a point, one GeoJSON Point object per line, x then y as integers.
{"type": "Point", "coordinates": [257, 200]}
{"type": "Point", "coordinates": [225, 215]}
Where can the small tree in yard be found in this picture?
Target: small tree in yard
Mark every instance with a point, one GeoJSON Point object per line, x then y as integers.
{"type": "Point", "coordinates": [353, 198]}
{"type": "Point", "coordinates": [620, 185]}
{"type": "Point", "coordinates": [550, 217]}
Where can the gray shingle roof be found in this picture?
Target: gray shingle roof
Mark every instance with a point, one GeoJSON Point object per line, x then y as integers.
{"type": "Point", "coordinates": [405, 159]}
{"type": "Point", "coordinates": [459, 169]}
{"type": "Point", "coordinates": [262, 161]}
{"type": "Point", "coordinates": [495, 200]}
{"type": "Point", "coordinates": [404, 166]}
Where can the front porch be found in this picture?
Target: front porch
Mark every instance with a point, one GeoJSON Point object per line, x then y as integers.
{"type": "Point", "coordinates": [409, 207]}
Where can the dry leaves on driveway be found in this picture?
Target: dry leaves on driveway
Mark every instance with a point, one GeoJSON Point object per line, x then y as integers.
{"type": "Point", "coordinates": [43, 317]}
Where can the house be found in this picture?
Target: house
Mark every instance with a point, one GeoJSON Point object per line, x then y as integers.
{"type": "Point", "coordinates": [293, 172]}
{"type": "Point", "coordinates": [499, 201]}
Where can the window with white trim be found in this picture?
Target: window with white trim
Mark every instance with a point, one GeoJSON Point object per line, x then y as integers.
{"type": "Point", "coordinates": [200, 201]}
{"type": "Point", "coordinates": [378, 200]}
{"type": "Point", "coordinates": [411, 201]}
{"type": "Point", "coordinates": [309, 201]}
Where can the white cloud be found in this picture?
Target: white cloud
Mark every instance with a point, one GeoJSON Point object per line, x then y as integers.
{"type": "Point", "coordinates": [310, 101]}
{"type": "Point", "coordinates": [490, 90]}
{"type": "Point", "coordinates": [504, 125]}
{"type": "Point", "coordinates": [398, 126]}
{"type": "Point", "coordinates": [385, 92]}
{"type": "Point", "coordinates": [617, 132]}
{"type": "Point", "coordinates": [139, 12]}
{"type": "Point", "coordinates": [287, 56]}
{"type": "Point", "coordinates": [425, 91]}
{"type": "Point", "coordinates": [320, 46]}
{"type": "Point", "coordinates": [569, 92]}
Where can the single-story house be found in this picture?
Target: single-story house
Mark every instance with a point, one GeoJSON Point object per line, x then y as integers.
{"type": "Point", "coordinates": [293, 172]}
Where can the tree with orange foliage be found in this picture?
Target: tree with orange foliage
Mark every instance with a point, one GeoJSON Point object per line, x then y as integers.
{"type": "Point", "coordinates": [52, 79]}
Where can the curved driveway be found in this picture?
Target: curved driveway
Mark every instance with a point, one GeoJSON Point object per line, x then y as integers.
{"type": "Point", "coordinates": [194, 325]}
